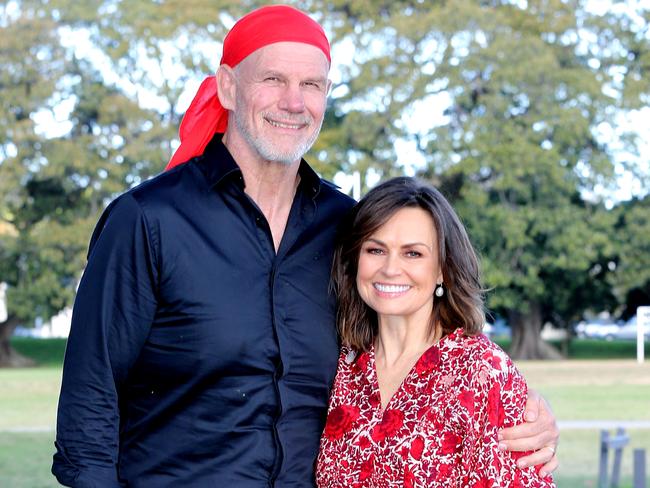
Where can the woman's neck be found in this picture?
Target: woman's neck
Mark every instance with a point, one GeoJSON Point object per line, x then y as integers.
{"type": "Point", "coordinates": [398, 341]}
{"type": "Point", "coordinates": [399, 345]}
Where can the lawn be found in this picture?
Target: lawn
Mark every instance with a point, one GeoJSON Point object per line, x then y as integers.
{"type": "Point", "coordinates": [25, 459]}
{"type": "Point", "coordinates": [27, 418]}
{"type": "Point", "coordinates": [592, 390]}
{"type": "Point", "coordinates": [607, 389]}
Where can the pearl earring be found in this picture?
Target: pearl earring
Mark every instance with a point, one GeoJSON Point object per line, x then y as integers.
{"type": "Point", "coordinates": [439, 290]}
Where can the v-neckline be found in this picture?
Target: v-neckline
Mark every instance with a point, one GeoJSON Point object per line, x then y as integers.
{"type": "Point", "coordinates": [372, 365]}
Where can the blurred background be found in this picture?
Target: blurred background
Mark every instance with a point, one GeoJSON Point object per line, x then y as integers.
{"type": "Point", "coordinates": [530, 116]}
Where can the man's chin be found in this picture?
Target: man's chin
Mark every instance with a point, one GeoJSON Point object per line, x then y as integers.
{"type": "Point", "coordinates": [286, 156]}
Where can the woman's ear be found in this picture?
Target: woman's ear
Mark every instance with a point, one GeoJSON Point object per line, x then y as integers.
{"type": "Point", "coordinates": [440, 279]}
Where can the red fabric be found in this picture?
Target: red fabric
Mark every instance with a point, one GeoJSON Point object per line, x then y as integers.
{"type": "Point", "coordinates": [261, 27]}
{"type": "Point", "coordinates": [439, 429]}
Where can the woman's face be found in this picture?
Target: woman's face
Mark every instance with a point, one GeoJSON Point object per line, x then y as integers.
{"type": "Point", "coordinates": [398, 266]}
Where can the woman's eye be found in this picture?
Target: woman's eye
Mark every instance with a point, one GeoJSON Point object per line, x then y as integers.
{"type": "Point", "coordinates": [374, 250]}
{"type": "Point", "coordinates": [413, 254]}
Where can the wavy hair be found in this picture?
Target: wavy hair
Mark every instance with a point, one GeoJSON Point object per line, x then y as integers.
{"type": "Point", "coordinates": [462, 303]}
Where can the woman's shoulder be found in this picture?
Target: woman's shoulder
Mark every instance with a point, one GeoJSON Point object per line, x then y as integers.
{"type": "Point", "coordinates": [481, 353]}
{"type": "Point", "coordinates": [351, 359]}
{"type": "Point", "coordinates": [348, 355]}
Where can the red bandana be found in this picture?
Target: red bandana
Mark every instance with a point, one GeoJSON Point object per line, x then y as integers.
{"type": "Point", "coordinates": [261, 27]}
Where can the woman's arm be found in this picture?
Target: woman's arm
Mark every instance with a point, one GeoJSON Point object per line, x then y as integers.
{"type": "Point", "coordinates": [500, 394]}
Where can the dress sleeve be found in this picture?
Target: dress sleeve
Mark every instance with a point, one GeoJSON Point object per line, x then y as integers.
{"type": "Point", "coordinates": [500, 396]}
{"type": "Point", "coordinates": [113, 311]}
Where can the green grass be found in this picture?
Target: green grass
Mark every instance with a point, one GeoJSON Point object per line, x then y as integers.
{"type": "Point", "coordinates": [29, 397]}
{"type": "Point", "coordinates": [25, 460]}
{"type": "Point", "coordinates": [592, 389]}
{"type": "Point", "coordinates": [28, 401]}
{"type": "Point", "coordinates": [612, 389]}
{"type": "Point", "coordinates": [578, 454]}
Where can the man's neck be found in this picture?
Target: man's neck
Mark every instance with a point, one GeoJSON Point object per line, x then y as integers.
{"type": "Point", "coordinates": [270, 184]}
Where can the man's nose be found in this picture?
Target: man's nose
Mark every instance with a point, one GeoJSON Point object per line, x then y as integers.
{"type": "Point", "coordinates": [292, 99]}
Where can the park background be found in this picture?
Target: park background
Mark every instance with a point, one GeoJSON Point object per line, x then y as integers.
{"type": "Point", "coordinates": [530, 116]}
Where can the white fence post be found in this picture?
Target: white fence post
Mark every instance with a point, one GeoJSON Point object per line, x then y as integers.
{"type": "Point", "coordinates": [642, 323]}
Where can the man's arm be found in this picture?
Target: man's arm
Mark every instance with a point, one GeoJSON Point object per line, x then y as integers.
{"type": "Point", "coordinates": [539, 434]}
{"type": "Point", "coordinates": [113, 311]}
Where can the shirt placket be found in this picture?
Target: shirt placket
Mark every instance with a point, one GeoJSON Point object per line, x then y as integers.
{"type": "Point", "coordinates": [301, 214]}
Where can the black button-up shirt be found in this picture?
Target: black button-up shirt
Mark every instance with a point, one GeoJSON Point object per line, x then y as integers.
{"type": "Point", "coordinates": [199, 356]}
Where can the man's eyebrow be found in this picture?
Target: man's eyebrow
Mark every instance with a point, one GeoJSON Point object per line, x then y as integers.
{"type": "Point", "coordinates": [279, 74]}
{"type": "Point", "coordinates": [318, 79]}
{"type": "Point", "coordinates": [272, 72]}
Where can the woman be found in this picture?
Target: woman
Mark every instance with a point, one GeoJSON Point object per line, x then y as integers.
{"type": "Point", "coordinates": [420, 394]}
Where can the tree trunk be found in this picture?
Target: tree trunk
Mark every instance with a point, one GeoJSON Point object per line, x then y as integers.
{"type": "Point", "coordinates": [527, 342]}
{"type": "Point", "coordinates": [9, 357]}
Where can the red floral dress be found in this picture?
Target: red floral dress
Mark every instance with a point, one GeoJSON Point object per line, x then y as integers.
{"type": "Point", "coordinates": [438, 430]}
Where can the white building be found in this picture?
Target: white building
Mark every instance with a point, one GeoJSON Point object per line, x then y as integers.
{"type": "Point", "coordinates": [57, 326]}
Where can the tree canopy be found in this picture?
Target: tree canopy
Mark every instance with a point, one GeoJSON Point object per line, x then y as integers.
{"type": "Point", "coordinates": [501, 103]}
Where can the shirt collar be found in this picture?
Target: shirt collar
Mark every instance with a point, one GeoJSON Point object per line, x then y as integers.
{"type": "Point", "coordinates": [217, 164]}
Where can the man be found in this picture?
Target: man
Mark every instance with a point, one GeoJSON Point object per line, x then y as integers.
{"type": "Point", "coordinates": [203, 344]}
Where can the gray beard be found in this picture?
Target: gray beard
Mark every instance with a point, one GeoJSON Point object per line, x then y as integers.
{"type": "Point", "coordinates": [268, 151]}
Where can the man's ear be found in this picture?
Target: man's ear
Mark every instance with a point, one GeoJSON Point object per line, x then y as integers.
{"type": "Point", "coordinates": [226, 86]}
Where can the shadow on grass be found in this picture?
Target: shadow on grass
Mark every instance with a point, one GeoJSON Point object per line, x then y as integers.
{"type": "Point", "coordinates": [46, 352]}
{"type": "Point", "coordinates": [592, 348]}
{"type": "Point", "coordinates": [49, 352]}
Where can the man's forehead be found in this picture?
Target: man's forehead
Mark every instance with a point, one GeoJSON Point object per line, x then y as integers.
{"type": "Point", "coordinates": [286, 55]}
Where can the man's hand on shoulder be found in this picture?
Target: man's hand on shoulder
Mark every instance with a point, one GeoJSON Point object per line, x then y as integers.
{"type": "Point", "coordinates": [539, 433]}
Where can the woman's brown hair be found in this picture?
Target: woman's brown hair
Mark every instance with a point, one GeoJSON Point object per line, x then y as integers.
{"type": "Point", "coordinates": [462, 302]}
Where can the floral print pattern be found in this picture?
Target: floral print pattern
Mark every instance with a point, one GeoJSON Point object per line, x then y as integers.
{"type": "Point", "coordinates": [438, 430]}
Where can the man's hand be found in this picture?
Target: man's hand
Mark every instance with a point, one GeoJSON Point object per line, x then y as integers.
{"type": "Point", "coordinates": [539, 434]}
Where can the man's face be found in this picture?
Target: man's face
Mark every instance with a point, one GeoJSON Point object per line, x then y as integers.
{"type": "Point", "coordinates": [280, 100]}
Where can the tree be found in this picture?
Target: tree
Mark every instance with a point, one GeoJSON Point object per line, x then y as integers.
{"type": "Point", "coordinates": [509, 101]}
{"type": "Point", "coordinates": [629, 30]}
{"type": "Point", "coordinates": [55, 187]}
{"type": "Point", "coordinates": [632, 278]}
{"type": "Point", "coordinates": [522, 122]}
{"type": "Point", "coordinates": [31, 66]}
{"type": "Point", "coordinates": [516, 148]}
